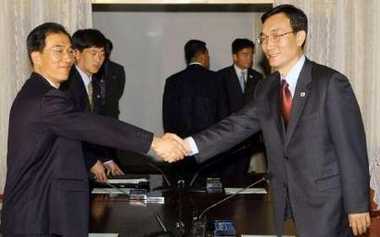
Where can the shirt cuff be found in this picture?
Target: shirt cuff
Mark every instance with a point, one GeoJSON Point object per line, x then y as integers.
{"type": "Point", "coordinates": [193, 146]}
{"type": "Point", "coordinates": [108, 162]}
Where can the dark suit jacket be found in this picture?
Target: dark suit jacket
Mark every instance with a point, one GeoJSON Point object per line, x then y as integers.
{"type": "Point", "coordinates": [192, 101]}
{"type": "Point", "coordinates": [46, 190]}
{"type": "Point", "coordinates": [109, 85]}
{"type": "Point", "coordinates": [320, 160]}
{"type": "Point", "coordinates": [235, 98]}
{"type": "Point", "coordinates": [76, 90]}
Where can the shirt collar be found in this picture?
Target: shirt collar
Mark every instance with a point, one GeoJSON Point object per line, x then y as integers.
{"type": "Point", "coordinates": [294, 73]}
{"type": "Point", "coordinates": [238, 70]}
{"type": "Point", "coordinates": [85, 78]}
{"type": "Point", "coordinates": [51, 83]}
{"type": "Point", "coordinates": [195, 63]}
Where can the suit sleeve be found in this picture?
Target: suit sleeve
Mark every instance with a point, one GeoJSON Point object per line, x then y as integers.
{"type": "Point", "coordinates": [347, 132]}
{"type": "Point", "coordinates": [227, 133]}
{"type": "Point", "coordinates": [121, 80]}
{"type": "Point", "coordinates": [59, 116]}
{"type": "Point", "coordinates": [222, 108]}
{"type": "Point", "coordinates": [94, 153]}
{"type": "Point", "coordinates": [90, 154]}
{"type": "Point", "coordinates": [169, 105]}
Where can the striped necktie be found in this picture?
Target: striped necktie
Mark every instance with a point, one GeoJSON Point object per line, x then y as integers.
{"type": "Point", "coordinates": [286, 101]}
{"type": "Point", "coordinates": [90, 96]}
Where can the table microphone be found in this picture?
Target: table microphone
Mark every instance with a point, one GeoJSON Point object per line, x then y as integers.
{"type": "Point", "coordinates": [211, 163]}
{"type": "Point", "coordinates": [199, 224]}
{"type": "Point", "coordinates": [165, 177]}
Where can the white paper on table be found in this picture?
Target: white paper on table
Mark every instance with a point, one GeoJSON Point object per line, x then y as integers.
{"type": "Point", "coordinates": [248, 191]}
{"type": "Point", "coordinates": [128, 181]}
{"type": "Point", "coordinates": [111, 191]}
{"type": "Point", "coordinates": [103, 234]}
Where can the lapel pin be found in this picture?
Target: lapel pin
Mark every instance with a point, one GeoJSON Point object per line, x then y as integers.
{"type": "Point", "coordinates": [250, 76]}
{"type": "Point", "coordinates": [303, 94]}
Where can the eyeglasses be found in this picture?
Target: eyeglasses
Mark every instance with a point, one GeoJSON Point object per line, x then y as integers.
{"type": "Point", "coordinates": [59, 52]}
{"type": "Point", "coordinates": [264, 39]}
{"type": "Point", "coordinates": [95, 52]}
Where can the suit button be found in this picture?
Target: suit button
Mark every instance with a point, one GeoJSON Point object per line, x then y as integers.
{"type": "Point", "coordinates": [286, 158]}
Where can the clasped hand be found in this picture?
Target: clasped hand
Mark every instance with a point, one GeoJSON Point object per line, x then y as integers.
{"type": "Point", "coordinates": [170, 147]}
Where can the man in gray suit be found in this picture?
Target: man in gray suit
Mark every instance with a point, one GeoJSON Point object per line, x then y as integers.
{"type": "Point", "coordinates": [313, 133]}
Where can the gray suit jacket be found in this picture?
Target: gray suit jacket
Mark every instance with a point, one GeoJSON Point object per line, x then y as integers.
{"type": "Point", "coordinates": [320, 160]}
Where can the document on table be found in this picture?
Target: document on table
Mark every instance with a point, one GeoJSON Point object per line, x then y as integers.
{"type": "Point", "coordinates": [103, 235]}
{"type": "Point", "coordinates": [248, 191]}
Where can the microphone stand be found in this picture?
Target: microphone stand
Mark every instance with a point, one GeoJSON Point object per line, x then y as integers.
{"type": "Point", "coordinates": [199, 223]}
{"type": "Point", "coordinates": [211, 163]}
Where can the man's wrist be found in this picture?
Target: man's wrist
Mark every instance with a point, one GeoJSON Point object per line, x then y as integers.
{"type": "Point", "coordinates": [108, 162]}
{"type": "Point", "coordinates": [154, 144]}
{"type": "Point", "coordinates": [192, 145]}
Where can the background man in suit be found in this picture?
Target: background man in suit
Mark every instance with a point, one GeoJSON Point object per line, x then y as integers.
{"type": "Point", "coordinates": [192, 98]}
{"type": "Point", "coordinates": [313, 133]}
{"type": "Point", "coordinates": [46, 191]}
{"type": "Point", "coordinates": [89, 54]}
{"type": "Point", "coordinates": [239, 82]}
{"type": "Point", "coordinates": [109, 83]}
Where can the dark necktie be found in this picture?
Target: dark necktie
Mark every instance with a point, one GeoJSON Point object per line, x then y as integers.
{"type": "Point", "coordinates": [286, 101]}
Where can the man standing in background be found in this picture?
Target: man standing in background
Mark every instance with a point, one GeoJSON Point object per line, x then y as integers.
{"type": "Point", "coordinates": [89, 53]}
{"type": "Point", "coordinates": [239, 83]}
{"type": "Point", "coordinates": [109, 83]}
{"type": "Point", "coordinates": [193, 99]}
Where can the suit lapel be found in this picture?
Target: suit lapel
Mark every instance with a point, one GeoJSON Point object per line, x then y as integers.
{"type": "Point", "coordinates": [274, 102]}
{"type": "Point", "coordinates": [299, 99]}
{"type": "Point", "coordinates": [235, 94]}
{"type": "Point", "coordinates": [82, 93]}
{"type": "Point", "coordinates": [251, 81]}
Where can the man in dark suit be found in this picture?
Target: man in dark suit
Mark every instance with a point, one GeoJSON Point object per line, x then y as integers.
{"type": "Point", "coordinates": [239, 82]}
{"type": "Point", "coordinates": [109, 83]}
{"type": "Point", "coordinates": [313, 133]}
{"type": "Point", "coordinates": [192, 98]}
{"type": "Point", "coordinates": [46, 190]}
{"type": "Point", "coordinates": [89, 51]}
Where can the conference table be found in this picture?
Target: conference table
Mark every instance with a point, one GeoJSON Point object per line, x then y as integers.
{"type": "Point", "coordinates": [250, 213]}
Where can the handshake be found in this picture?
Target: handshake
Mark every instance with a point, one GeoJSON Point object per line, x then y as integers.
{"type": "Point", "coordinates": [170, 148]}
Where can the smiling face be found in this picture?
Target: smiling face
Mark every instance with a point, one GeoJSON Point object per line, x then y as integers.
{"type": "Point", "coordinates": [55, 60]}
{"type": "Point", "coordinates": [281, 46]}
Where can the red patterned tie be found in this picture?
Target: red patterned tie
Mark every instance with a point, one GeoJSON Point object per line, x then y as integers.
{"type": "Point", "coordinates": [286, 101]}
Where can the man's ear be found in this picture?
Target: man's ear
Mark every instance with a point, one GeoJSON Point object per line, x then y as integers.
{"type": "Point", "coordinates": [234, 58]}
{"type": "Point", "coordinates": [36, 58]}
{"type": "Point", "coordinates": [300, 37]}
{"type": "Point", "coordinates": [77, 54]}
